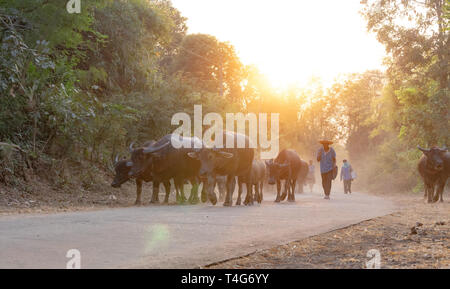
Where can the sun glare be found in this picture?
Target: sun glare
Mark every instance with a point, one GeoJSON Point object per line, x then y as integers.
{"type": "Point", "coordinates": [290, 41]}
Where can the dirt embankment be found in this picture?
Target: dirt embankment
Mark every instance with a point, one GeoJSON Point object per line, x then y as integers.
{"type": "Point", "coordinates": [45, 195]}
{"type": "Point", "coordinates": [415, 237]}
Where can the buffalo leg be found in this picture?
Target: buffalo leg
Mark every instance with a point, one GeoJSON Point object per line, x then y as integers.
{"type": "Point", "coordinates": [430, 192]}
{"type": "Point", "coordinates": [287, 186]}
{"type": "Point", "coordinates": [155, 195]}
{"type": "Point", "coordinates": [191, 195]}
{"type": "Point", "coordinates": [221, 187]}
{"type": "Point", "coordinates": [179, 183]}
{"type": "Point", "coordinates": [204, 194]}
{"type": "Point", "coordinates": [211, 194]}
{"type": "Point", "coordinates": [167, 189]}
{"type": "Point", "coordinates": [249, 195]}
{"type": "Point", "coordinates": [293, 182]}
{"type": "Point", "coordinates": [177, 194]}
{"type": "Point", "coordinates": [257, 193]}
{"type": "Point", "coordinates": [233, 187]}
{"type": "Point", "coordinates": [277, 200]}
{"type": "Point", "coordinates": [289, 190]}
{"type": "Point", "coordinates": [283, 195]}
{"type": "Point", "coordinates": [261, 194]}
{"type": "Point", "coordinates": [439, 192]}
{"type": "Point", "coordinates": [193, 198]}
{"type": "Point", "coordinates": [231, 182]}
{"type": "Point", "coordinates": [222, 191]}
{"type": "Point", "coordinates": [238, 201]}
{"type": "Point", "coordinates": [138, 192]}
{"type": "Point", "coordinates": [182, 195]}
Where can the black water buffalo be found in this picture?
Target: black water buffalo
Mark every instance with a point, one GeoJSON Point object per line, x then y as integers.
{"type": "Point", "coordinates": [434, 168]}
{"type": "Point", "coordinates": [286, 166]}
{"type": "Point", "coordinates": [258, 175]}
{"type": "Point", "coordinates": [230, 162]}
{"type": "Point", "coordinates": [168, 162]}
{"type": "Point", "coordinates": [122, 169]}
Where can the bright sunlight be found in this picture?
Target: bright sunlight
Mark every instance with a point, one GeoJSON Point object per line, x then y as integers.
{"type": "Point", "coordinates": [290, 41]}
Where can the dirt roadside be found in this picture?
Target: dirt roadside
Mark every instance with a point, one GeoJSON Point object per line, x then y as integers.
{"type": "Point", "coordinates": [42, 197]}
{"type": "Point", "coordinates": [415, 237]}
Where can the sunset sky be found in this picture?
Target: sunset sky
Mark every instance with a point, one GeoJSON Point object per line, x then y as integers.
{"type": "Point", "coordinates": [290, 40]}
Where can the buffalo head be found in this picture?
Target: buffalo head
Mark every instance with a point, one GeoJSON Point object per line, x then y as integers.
{"type": "Point", "coordinates": [209, 159]}
{"type": "Point", "coordinates": [275, 170]}
{"type": "Point", "coordinates": [434, 157]}
{"type": "Point", "coordinates": [121, 169]}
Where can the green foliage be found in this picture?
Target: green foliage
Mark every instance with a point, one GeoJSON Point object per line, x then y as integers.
{"type": "Point", "coordinates": [413, 108]}
{"type": "Point", "coordinates": [81, 87]}
{"type": "Point", "coordinates": [210, 65]}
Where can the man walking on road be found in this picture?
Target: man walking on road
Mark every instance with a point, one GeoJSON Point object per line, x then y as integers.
{"type": "Point", "coordinates": [327, 158]}
{"type": "Point", "coordinates": [346, 175]}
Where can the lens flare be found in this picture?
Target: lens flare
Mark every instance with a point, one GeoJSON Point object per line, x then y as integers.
{"type": "Point", "coordinates": [156, 237]}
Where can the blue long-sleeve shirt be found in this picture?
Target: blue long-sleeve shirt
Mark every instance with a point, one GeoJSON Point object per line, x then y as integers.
{"type": "Point", "coordinates": [346, 172]}
{"type": "Point", "coordinates": [326, 160]}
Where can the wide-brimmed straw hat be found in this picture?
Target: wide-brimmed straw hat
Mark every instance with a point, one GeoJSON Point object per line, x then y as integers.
{"type": "Point", "coordinates": [325, 141]}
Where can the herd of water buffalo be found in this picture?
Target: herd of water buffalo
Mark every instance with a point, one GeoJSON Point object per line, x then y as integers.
{"type": "Point", "coordinates": [160, 162]}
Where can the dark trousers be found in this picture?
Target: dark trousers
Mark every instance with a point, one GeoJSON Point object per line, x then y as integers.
{"type": "Point", "coordinates": [326, 182]}
{"type": "Point", "coordinates": [348, 186]}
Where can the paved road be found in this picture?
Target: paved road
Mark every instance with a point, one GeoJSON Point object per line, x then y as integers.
{"type": "Point", "coordinates": [175, 236]}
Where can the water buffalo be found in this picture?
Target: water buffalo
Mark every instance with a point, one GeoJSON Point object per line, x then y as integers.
{"type": "Point", "coordinates": [142, 163]}
{"type": "Point", "coordinates": [230, 162]}
{"type": "Point", "coordinates": [258, 175]}
{"type": "Point", "coordinates": [286, 166]}
{"type": "Point", "coordinates": [168, 162]}
{"type": "Point", "coordinates": [434, 168]}
{"type": "Point", "coordinates": [122, 169]}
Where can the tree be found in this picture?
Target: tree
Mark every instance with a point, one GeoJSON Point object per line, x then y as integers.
{"type": "Point", "coordinates": [357, 99]}
{"type": "Point", "coordinates": [210, 64]}
{"type": "Point", "coordinates": [417, 42]}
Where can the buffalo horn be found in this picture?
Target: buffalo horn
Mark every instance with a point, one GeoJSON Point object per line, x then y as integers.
{"type": "Point", "coordinates": [422, 149]}
{"type": "Point", "coordinates": [131, 147]}
{"type": "Point", "coordinates": [151, 149]}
